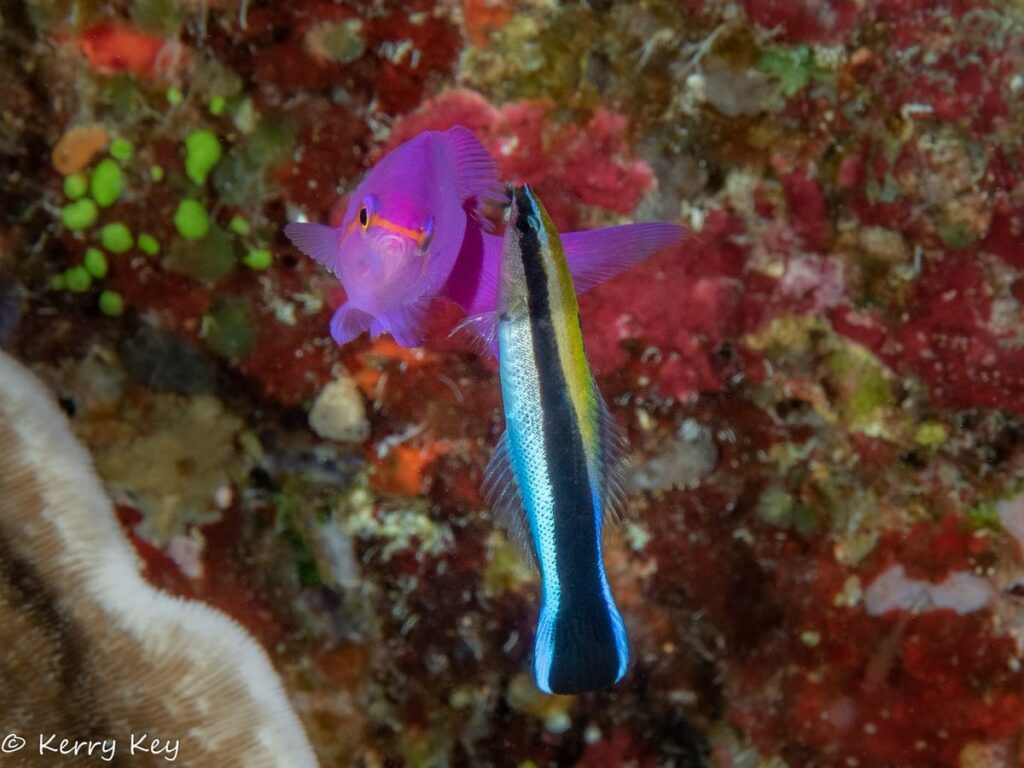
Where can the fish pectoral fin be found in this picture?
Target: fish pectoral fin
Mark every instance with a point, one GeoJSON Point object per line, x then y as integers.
{"type": "Point", "coordinates": [348, 322]}
{"type": "Point", "coordinates": [501, 493]}
{"type": "Point", "coordinates": [316, 240]}
{"type": "Point", "coordinates": [482, 331]}
{"type": "Point", "coordinates": [476, 173]}
{"type": "Point", "coordinates": [614, 465]}
{"type": "Point", "coordinates": [599, 254]}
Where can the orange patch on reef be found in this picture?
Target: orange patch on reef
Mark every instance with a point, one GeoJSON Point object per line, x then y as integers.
{"type": "Point", "coordinates": [110, 48]}
{"type": "Point", "coordinates": [78, 146]}
{"type": "Point", "coordinates": [403, 471]}
{"type": "Point", "coordinates": [383, 350]}
{"type": "Point", "coordinates": [482, 17]}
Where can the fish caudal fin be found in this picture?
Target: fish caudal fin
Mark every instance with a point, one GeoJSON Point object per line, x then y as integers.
{"type": "Point", "coordinates": [316, 240]}
{"type": "Point", "coordinates": [599, 254]}
{"type": "Point", "coordinates": [580, 647]}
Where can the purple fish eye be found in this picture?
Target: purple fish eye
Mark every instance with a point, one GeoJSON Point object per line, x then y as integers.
{"type": "Point", "coordinates": [366, 211]}
{"type": "Point", "coordinates": [426, 235]}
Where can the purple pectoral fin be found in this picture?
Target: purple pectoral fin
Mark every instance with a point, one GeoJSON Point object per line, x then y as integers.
{"type": "Point", "coordinates": [348, 322]}
{"type": "Point", "coordinates": [599, 254]}
{"type": "Point", "coordinates": [317, 241]}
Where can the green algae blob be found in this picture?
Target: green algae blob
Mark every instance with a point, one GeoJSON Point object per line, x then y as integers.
{"type": "Point", "coordinates": [239, 225]}
{"type": "Point", "coordinates": [148, 244]}
{"type": "Point", "coordinates": [792, 66]}
{"type": "Point", "coordinates": [75, 186]}
{"type": "Point", "coordinates": [77, 279]}
{"type": "Point", "coordinates": [106, 183]}
{"type": "Point", "coordinates": [228, 329]}
{"type": "Point", "coordinates": [258, 259]}
{"type": "Point", "coordinates": [208, 259]}
{"type": "Point", "coordinates": [116, 237]}
{"type": "Point", "coordinates": [217, 105]}
{"type": "Point", "coordinates": [79, 214]}
{"type": "Point", "coordinates": [202, 153]}
{"type": "Point", "coordinates": [95, 262]}
{"type": "Point", "coordinates": [111, 303]}
{"type": "Point", "coordinates": [122, 149]}
{"type": "Point", "coordinates": [191, 220]}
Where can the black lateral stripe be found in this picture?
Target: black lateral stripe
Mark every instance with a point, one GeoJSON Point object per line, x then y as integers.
{"type": "Point", "coordinates": [578, 570]}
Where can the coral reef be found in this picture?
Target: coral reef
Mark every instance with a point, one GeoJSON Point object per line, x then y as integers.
{"type": "Point", "coordinates": [823, 385]}
{"type": "Point", "coordinates": [92, 654]}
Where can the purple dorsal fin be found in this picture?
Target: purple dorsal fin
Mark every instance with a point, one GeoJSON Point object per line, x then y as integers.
{"type": "Point", "coordinates": [476, 175]}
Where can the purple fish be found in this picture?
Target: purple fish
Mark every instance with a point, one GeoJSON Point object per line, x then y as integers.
{"type": "Point", "coordinates": [413, 232]}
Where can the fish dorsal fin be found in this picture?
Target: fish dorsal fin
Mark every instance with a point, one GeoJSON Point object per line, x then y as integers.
{"type": "Point", "coordinates": [476, 174]}
{"type": "Point", "coordinates": [614, 453]}
{"type": "Point", "coordinates": [501, 493]}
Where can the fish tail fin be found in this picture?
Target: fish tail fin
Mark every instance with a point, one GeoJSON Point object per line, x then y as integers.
{"type": "Point", "coordinates": [580, 647]}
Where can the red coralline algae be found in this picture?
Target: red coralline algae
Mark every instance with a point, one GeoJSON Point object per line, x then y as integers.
{"type": "Point", "coordinates": [1006, 236]}
{"type": "Point", "coordinates": [910, 22]}
{"type": "Point", "coordinates": [421, 44]}
{"type": "Point", "coordinates": [176, 300]}
{"type": "Point", "coordinates": [804, 21]}
{"type": "Point", "coordinates": [697, 298]}
{"type": "Point", "coordinates": [807, 208]}
{"type": "Point", "coordinates": [946, 339]}
{"type": "Point", "coordinates": [332, 142]}
{"type": "Point", "coordinates": [905, 688]}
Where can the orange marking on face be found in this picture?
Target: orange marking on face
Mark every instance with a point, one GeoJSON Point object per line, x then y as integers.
{"type": "Point", "coordinates": [416, 235]}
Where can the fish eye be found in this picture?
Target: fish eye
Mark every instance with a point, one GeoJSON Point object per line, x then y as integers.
{"type": "Point", "coordinates": [367, 210]}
